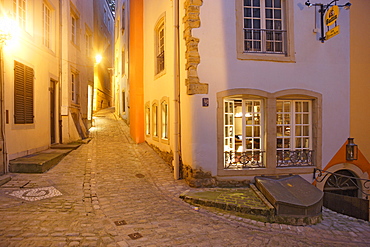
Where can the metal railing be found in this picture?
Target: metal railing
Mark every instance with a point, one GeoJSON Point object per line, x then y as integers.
{"type": "Point", "coordinates": [341, 181]}
{"type": "Point", "coordinates": [265, 41]}
{"type": "Point", "coordinates": [248, 159]}
{"type": "Point", "coordinates": [295, 158]}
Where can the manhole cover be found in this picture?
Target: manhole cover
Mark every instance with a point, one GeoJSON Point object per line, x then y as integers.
{"type": "Point", "coordinates": [135, 235]}
{"type": "Point", "coordinates": [120, 223]}
{"type": "Point", "coordinates": [140, 175]}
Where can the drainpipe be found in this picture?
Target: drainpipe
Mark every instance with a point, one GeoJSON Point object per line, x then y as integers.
{"type": "Point", "coordinates": [177, 123]}
{"type": "Point", "coordinates": [60, 72]}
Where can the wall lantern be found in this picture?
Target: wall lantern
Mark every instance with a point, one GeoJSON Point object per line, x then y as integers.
{"type": "Point", "coordinates": [330, 13]}
{"type": "Point", "coordinates": [98, 58]}
{"type": "Point", "coordinates": [351, 150]}
{"type": "Point", "coordinates": [8, 28]}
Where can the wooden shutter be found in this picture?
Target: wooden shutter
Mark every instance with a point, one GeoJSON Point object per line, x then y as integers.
{"type": "Point", "coordinates": [23, 93]}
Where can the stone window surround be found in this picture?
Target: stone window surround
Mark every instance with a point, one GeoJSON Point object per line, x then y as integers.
{"type": "Point", "coordinates": [160, 23]}
{"type": "Point", "coordinates": [158, 104]}
{"type": "Point", "coordinates": [270, 130]}
{"type": "Point", "coordinates": [288, 21]}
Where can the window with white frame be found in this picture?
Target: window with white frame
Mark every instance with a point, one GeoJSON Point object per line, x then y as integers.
{"type": "Point", "coordinates": [293, 130]}
{"type": "Point", "coordinates": [20, 12]}
{"type": "Point", "coordinates": [160, 36]}
{"type": "Point", "coordinates": [46, 19]}
{"type": "Point", "coordinates": [243, 132]}
{"type": "Point", "coordinates": [88, 45]}
{"type": "Point", "coordinates": [74, 26]}
{"type": "Point", "coordinates": [75, 88]}
{"type": "Point", "coordinates": [155, 120]}
{"type": "Point", "coordinates": [264, 29]}
{"type": "Point", "coordinates": [164, 121]}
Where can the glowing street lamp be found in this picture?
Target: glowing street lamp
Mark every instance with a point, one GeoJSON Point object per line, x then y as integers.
{"type": "Point", "coordinates": [98, 58]}
{"type": "Point", "coordinates": [8, 29]}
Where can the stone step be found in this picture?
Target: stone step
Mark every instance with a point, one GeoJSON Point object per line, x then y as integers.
{"type": "Point", "coordinates": [39, 162]}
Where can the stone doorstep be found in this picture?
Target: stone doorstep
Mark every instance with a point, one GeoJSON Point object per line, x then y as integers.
{"type": "Point", "coordinates": [38, 162]}
{"type": "Point", "coordinates": [4, 179]}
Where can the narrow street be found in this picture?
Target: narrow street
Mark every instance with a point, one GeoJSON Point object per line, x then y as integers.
{"type": "Point", "coordinates": [113, 192]}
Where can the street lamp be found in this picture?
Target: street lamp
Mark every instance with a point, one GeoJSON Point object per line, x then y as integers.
{"type": "Point", "coordinates": [323, 9]}
{"type": "Point", "coordinates": [351, 150]}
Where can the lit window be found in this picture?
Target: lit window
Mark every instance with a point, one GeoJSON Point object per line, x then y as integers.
{"type": "Point", "coordinates": [155, 120]}
{"type": "Point", "coordinates": [243, 133]}
{"type": "Point", "coordinates": [164, 114]}
{"type": "Point", "coordinates": [74, 30]}
{"type": "Point", "coordinates": [147, 120]}
{"type": "Point", "coordinates": [293, 129]}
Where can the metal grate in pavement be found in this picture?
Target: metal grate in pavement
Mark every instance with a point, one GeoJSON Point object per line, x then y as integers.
{"type": "Point", "coordinates": [135, 236]}
{"type": "Point", "coordinates": [120, 223]}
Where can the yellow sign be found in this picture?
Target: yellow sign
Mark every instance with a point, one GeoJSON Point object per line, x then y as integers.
{"type": "Point", "coordinates": [332, 15]}
{"type": "Point", "coordinates": [332, 32]}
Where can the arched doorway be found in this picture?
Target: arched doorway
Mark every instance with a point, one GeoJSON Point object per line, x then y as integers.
{"type": "Point", "coordinates": [342, 190]}
{"type": "Point", "coordinates": [342, 182]}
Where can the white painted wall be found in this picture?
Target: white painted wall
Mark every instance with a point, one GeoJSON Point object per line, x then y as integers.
{"type": "Point", "coordinates": [323, 68]}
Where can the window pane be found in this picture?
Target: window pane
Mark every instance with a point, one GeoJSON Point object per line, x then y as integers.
{"type": "Point", "coordinates": [248, 120]}
{"type": "Point", "coordinates": [257, 131]}
{"type": "Point", "coordinates": [286, 118]}
{"type": "Point", "coordinates": [269, 13]}
{"type": "Point", "coordinates": [279, 106]}
{"type": "Point", "coordinates": [257, 35]}
{"type": "Point", "coordinates": [257, 106]}
{"type": "Point", "coordinates": [257, 119]}
{"type": "Point", "coordinates": [247, 12]}
{"type": "Point", "coordinates": [256, 3]}
{"type": "Point", "coordinates": [256, 13]}
{"type": "Point", "coordinates": [279, 130]}
{"type": "Point", "coordinates": [249, 143]}
{"type": "Point", "coordinates": [248, 105]}
{"type": "Point", "coordinates": [256, 23]}
{"type": "Point", "coordinates": [306, 119]}
{"type": "Point", "coordinates": [257, 45]}
{"type": "Point", "coordinates": [257, 143]}
{"type": "Point", "coordinates": [269, 24]}
{"type": "Point", "coordinates": [306, 130]}
{"type": "Point", "coordinates": [306, 142]}
{"type": "Point", "coordinates": [268, 3]}
{"type": "Point", "coordinates": [278, 25]}
{"type": "Point", "coordinates": [247, 2]}
{"type": "Point", "coordinates": [247, 23]}
{"type": "Point", "coordinates": [248, 131]}
{"type": "Point", "coordinates": [277, 13]}
{"type": "Point", "coordinates": [298, 130]}
{"type": "Point", "coordinates": [286, 131]}
{"type": "Point", "coordinates": [298, 143]}
{"type": "Point", "coordinates": [286, 143]}
{"type": "Point", "coordinates": [286, 106]}
{"type": "Point", "coordinates": [306, 107]}
{"type": "Point", "coordinates": [279, 143]}
{"type": "Point", "coordinates": [277, 3]}
{"type": "Point", "coordinates": [298, 119]}
{"type": "Point", "coordinates": [298, 107]}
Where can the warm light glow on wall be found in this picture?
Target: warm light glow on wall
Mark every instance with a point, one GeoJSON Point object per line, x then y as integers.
{"type": "Point", "coordinates": [98, 58]}
{"type": "Point", "coordinates": [9, 31]}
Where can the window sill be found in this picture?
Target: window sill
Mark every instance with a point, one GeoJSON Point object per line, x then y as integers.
{"type": "Point", "coordinates": [265, 171]}
{"type": "Point", "coordinates": [266, 57]}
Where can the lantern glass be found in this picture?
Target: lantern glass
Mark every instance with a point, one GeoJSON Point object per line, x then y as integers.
{"type": "Point", "coordinates": [351, 150]}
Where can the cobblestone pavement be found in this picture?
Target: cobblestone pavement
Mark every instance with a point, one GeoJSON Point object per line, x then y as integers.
{"type": "Point", "coordinates": [113, 192]}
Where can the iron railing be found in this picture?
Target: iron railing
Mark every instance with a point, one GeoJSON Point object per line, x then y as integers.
{"type": "Point", "coordinates": [342, 182]}
{"type": "Point", "coordinates": [248, 159]}
{"type": "Point", "coordinates": [295, 158]}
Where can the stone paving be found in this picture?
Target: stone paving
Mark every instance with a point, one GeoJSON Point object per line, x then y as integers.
{"type": "Point", "coordinates": [113, 192]}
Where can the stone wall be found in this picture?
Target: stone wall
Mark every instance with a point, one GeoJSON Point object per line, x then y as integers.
{"type": "Point", "coordinates": [192, 20]}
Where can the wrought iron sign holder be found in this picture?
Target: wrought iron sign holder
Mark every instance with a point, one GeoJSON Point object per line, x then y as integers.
{"type": "Point", "coordinates": [322, 11]}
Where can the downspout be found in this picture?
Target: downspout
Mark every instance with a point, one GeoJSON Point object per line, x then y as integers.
{"type": "Point", "coordinates": [60, 124]}
{"type": "Point", "coordinates": [177, 123]}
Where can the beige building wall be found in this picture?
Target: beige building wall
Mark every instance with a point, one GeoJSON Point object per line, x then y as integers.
{"type": "Point", "coordinates": [28, 48]}
{"type": "Point", "coordinates": [360, 75]}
